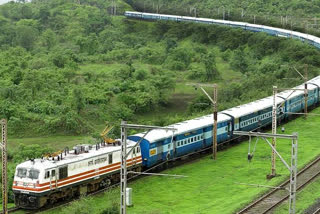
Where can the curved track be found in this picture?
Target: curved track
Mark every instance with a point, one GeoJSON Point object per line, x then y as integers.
{"type": "Point", "coordinates": [269, 201]}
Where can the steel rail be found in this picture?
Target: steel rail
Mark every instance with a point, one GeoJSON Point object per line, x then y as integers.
{"type": "Point", "coordinates": [262, 198]}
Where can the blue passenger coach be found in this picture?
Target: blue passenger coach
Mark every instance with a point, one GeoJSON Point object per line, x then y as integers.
{"type": "Point", "coordinates": [190, 136]}
{"type": "Point", "coordinates": [315, 41]}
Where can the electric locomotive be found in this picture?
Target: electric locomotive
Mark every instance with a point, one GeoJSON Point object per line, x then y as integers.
{"type": "Point", "coordinates": [85, 169]}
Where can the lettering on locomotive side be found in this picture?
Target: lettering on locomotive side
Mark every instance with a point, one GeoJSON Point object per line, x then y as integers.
{"type": "Point", "coordinates": [97, 161]}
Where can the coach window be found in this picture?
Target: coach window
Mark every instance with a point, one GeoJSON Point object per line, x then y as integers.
{"type": "Point", "coordinates": [110, 158]}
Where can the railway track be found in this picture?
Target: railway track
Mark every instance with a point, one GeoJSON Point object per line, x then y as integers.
{"type": "Point", "coordinates": [269, 201]}
{"type": "Point", "coordinates": [317, 211]}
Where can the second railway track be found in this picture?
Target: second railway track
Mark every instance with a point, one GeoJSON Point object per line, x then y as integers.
{"type": "Point", "coordinates": [269, 201]}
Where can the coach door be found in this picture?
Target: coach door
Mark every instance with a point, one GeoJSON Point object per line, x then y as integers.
{"type": "Point", "coordinates": [174, 146]}
{"type": "Point", "coordinates": [229, 129]}
{"type": "Point", "coordinates": [53, 179]}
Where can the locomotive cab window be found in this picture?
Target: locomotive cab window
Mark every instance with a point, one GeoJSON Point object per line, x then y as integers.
{"type": "Point", "coordinates": [63, 172]}
{"type": "Point", "coordinates": [138, 149]}
{"type": "Point", "coordinates": [34, 174]}
{"type": "Point", "coordinates": [47, 174]}
{"type": "Point", "coordinates": [53, 173]}
{"type": "Point", "coordinates": [110, 158]}
{"type": "Point", "coordinates": [22, 172]}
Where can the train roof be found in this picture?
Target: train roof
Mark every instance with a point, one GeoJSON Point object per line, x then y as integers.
{"type": "Point", "coordinates": [285, 31]}
{"type": "Point", "coordinates": [258, 105]}
{"type": "Point", "coordinates": [183, 127]}
{"type": "Point", "coordinates": [72, 157]}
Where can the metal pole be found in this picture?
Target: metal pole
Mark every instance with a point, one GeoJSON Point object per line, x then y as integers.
{"type": "Point", "coordinates": [4, 167]}
{"type": "Point", "coordinates": [306, 92]}
{"type": "Point", "coordinates": [123, 172]}
{"type": "Point", "coordinates": [274, 131]}
{"type": "Point", "coordinates": [215, 121]}
{"type": "Point", "coordinates": [294, 161]}
{"type": "Point", "coordinates": [293, 175]}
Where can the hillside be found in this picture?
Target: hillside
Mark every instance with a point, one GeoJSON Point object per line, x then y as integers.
{"type": "Point", "coordinates": [67, 66]}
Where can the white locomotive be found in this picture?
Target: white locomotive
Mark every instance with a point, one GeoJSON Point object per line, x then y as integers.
{"type": "Point", "coordinates": [82, 170]}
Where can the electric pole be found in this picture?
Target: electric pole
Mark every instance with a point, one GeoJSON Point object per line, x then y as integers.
{"type": "Point", "coordinates": [3, 146]}
{"type": "Point", "coordinates": [214, 103]}
{"type": "Point", "coordinates": [123, 172]}
{"type": "Point", "coordinates": [124, 155]}
{"type": "Point", "coordinates": [274, 131]}
{"type": "Point", "coordinates": [215, 120]}
{"type": "Point", "coordinates": [305, 91]}
{"type": "Point", "coordinates": [294, 160]}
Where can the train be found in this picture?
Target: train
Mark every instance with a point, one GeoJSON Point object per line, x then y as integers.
{"type": "Point", "coordinates": [88, 168]}
{"type": "Point", "coordinates": [310, 39]}
{"type": "Point", "coordinates": [71, 173]}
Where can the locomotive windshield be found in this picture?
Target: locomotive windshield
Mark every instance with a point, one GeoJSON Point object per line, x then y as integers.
{"type": "Point", "coordinates": [33, 174]}
{"type": "Point", "coordinates": [22, 172]}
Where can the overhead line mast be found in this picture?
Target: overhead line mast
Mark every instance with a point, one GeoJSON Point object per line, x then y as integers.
{"type": "Point", "coordinates": [3, 146]}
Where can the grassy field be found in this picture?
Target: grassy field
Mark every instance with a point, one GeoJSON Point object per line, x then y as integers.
{"type": "Point", "coordinates": [212, 186]}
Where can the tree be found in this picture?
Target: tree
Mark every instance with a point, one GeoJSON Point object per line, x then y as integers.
{"type": "Point", "coordinates": [210, 67]}
{"type": "Point", "coordinates": [49, 39]}
{"type": "Point", "coordinates": [239, 61]}
{"type": "Point", "coordinates": [78, 99]}
{"type": "Point", "coordinates": [26, 36]}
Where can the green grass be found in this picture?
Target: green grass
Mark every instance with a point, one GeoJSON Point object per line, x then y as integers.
{"type": "Point", "coordinates": [212, 186]}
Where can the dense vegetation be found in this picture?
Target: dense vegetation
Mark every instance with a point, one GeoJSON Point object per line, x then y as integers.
{"type": "Point", "coordinates": [49, 49]}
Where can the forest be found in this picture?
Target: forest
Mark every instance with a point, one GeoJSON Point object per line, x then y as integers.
{"type": "Point", "coordinates": [68, 66]}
